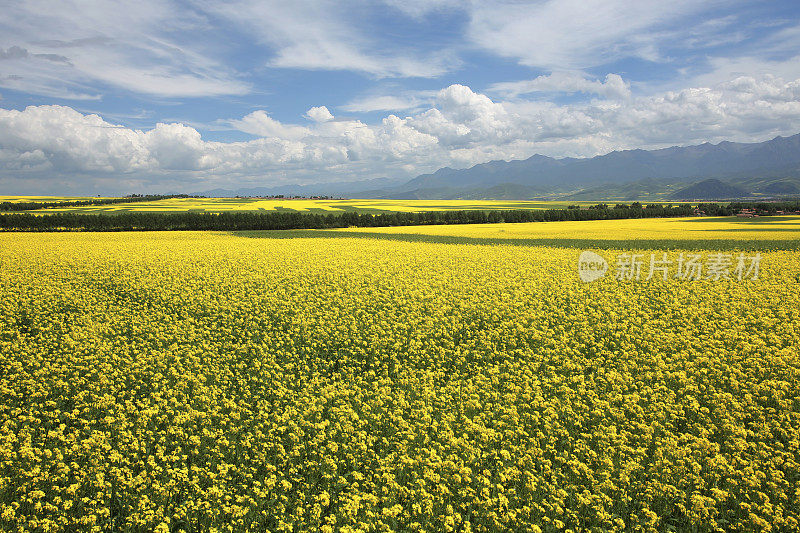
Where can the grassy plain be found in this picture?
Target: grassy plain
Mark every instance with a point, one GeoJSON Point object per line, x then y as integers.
{"type": "Point", "coordinates": [448, 378]}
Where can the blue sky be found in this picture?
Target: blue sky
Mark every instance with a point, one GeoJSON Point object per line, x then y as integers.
{"type": "Point", "coordinates": [105, 97]}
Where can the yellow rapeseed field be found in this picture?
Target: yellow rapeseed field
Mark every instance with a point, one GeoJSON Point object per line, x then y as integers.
{"type": "Point", "coordinates": [401, 379]}
{"type": "Point", "coordinates": [17, 199]}
{"type": "Point", "coordinates": [675, 232]}
{"type": "Point", "coordinates": [223, 205]}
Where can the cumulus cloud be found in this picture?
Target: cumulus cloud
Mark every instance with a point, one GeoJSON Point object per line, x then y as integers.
{"type": "Point", "coordinates": [462, 117]}
{"type": "Point", "coordinates": [319, 114]}
{"type": "Point", "coordinates": [565, 82]}
{"type": "Point", "coordinates": [261, 124]}
{"type": "Point", "coordinates": [59, 140]}
{"type": "Point", "coordinates": [461, 128]}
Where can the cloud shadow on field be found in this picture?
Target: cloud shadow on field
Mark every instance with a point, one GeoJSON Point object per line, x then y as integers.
{"type": "Point", "coordinates": [738, 230]}
{"type": "Point", "coordinates": [752, 221]}
{"type": "Point", "coordinates": [582, 244]}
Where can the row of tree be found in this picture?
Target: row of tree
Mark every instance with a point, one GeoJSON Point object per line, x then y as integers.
{"type": "Point", "coordinates": [759, 208]}
{"type": "Point", "coordinates": [30, 206]}
{"type": "Point", "coordinates": [281, 220]}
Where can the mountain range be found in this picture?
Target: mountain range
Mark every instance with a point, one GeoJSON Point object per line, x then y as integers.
{"type": "Point", "coordinates": [707, 171]}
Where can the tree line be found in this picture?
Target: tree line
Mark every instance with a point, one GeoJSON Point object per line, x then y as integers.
{"type": "Point", "coordinates": [281, 220]}
{"type": "Point", "coordinates": [32, 205]}
{"type": "Point", "coordinates": [760, 208]}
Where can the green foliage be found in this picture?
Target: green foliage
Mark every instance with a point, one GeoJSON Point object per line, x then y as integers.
{"type": "Point", "coordinates": [231, 221]}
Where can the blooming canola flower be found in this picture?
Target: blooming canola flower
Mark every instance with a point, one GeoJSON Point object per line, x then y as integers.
{"type": "Point", "coordinates": [343, 381]}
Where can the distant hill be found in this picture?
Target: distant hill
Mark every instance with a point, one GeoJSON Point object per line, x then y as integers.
{"type": "Point", "coordinates": [341, 188]}
{"type": "Point", "coordinates": [775, 158]}
{"type": "Point", "coordinates": [711, 189]}
{"type": "Point", "coordinates": [766, 169]}
{"type": "Point", "coordinates": [780, 187]}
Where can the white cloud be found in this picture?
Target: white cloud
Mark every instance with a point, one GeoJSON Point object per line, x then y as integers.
{"type": "Point", "coordinates": [462, 117]}
{"type": "Point", "coordinates": [420, 8]}
{"type": "Point", "coordinates": [16, 52]}
{"type": "Point", "coordinates": [577, 34]}
{"type": "Point", "coordinates": [73, 49]}
{"type": "Point", "coordinates": [386, 102]}
{"type": "Point", "coordinates": [261, 124]}
{"type": "Point", "coordinates": [68, 140]}
{"type": "Point", "coordinates": [150, 47]}
{"type": "Point", "coordinates": [724, 69]}
{"type": "Point", "coordinates": [565, 82]}
{"type": "Point", "coordinates": [52, 144]}
{"type": "Point", "coordinates": [319, 114]}
{"type": "Point", "coordinates": [327, 35]}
